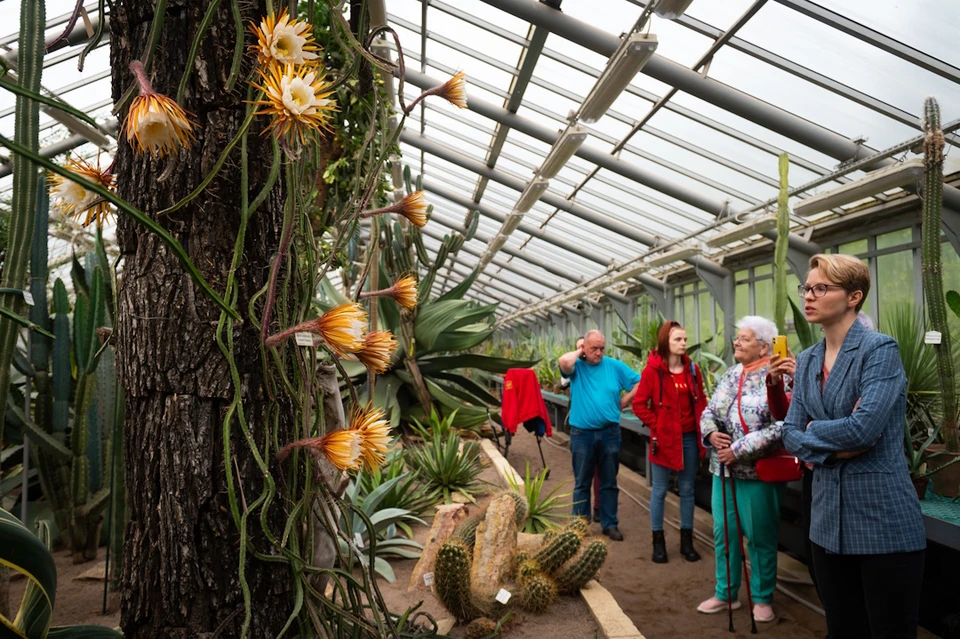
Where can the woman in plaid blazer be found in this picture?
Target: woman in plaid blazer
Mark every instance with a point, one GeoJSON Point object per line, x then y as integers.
{"type": "Point", "coordinates": [846, 417]}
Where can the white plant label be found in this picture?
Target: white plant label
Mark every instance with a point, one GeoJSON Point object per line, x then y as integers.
{"type": "Point", "coordinates": [357, 537]}
{"type": "Point", "coordinates": [932, 337]}
{"type": "Point", "coordinates": [28, 298]}
{"type": "Point", "coordinates": [428, 578]}
{"type": "Point", "coordinates": [503, 596]}
{"type": "Point", "coordinates": [303, 339]}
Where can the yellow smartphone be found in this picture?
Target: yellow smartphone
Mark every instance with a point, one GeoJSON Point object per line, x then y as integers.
{"type": "Point", "coordinates": [780, 346]}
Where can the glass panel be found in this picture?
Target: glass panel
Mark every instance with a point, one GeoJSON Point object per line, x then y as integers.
{"type": "Point", "coordinates": [742, 305]}
{"type": "Point", "coordinates": [894, 283]}
{"type": "Point", "coordinates": [764, 298]}
{"type": "Point", "coordinates": [741, 276]}
{"type": "Point", "coordinates": [896, 238]}
{"type": "Point", "coordinates": [763, 269]}
{"type": "Point", "coordinates": [854, 248]}
{"type": "Point", "coordinates": [689, 317]}
{"type": "Point", "coordinates": [951, 267]}
{"type": "Point", "coordinates": [706, 317]}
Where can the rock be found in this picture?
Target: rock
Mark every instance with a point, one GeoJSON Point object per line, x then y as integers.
{"type": "Point", "coordinates": [444, 626]}
{"type": "Point", "coordinates": [459, 498]}
{"type": "Point", "coordinates": [95, 573]}
{"type": "Point", "coordinates": [496, 547]}
{"type": "Point", "coordinates": [444, 523]}
{"type": "Point", "coordinates": [528, 542]}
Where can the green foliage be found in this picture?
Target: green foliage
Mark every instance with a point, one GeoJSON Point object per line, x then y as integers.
{"type": "Point", "coordinates": [27, 554]}
{"type": "Point", "coordinates": [905, 324]}
{"type": "Point", "coordinates": [384, 521]}
{"type": "Point", "coordinates": [452, 580]}
{"type": "Point", "coordinates": [441, 465]}
{"type": "Point", "coordinates": [930, 231]}
{"type": "Point", "coordinates": [481, 628]}
{"type": "Point", "coordinates": [519, 505]}
{"type": "Point", "coordinates": [805, 331]}
{"type": "Point", "coordinates": [780, 249]}
{"type": "Point", "coordinates": [916, 451]}
{"type": "Point", "coordinates": [554, 552]}
{"type": "Point", "coordinates": [466, 530]}
{"type": "Point", "coordinates": [538, 593]}
{"type": "Point", "coordinates": [542, 511]}
{"type": "Point", "coordinates": [405, 494]}
{"type": "Point", "coordinates": [583, 567]}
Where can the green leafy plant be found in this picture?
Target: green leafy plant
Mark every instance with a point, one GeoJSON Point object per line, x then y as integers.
{"type": "Point", "coordinates": [916, 451]}
{"type": "Point", "coordinates": [406, 493]}
{"type": "Point", "coordinates": [542, 509]}
{"type": "Point", "coordinates": [905, 324]}
{"type": "Point", "coordinates": [805, 331]}
{"type": "Point", "coordinates": [781, 247]}
{"type": "Point", "coordinates": [28, 554]}
{"type": "Point", "coordinates": [449, 465]}
{"type": "Point", "coordinates": [384, 522]}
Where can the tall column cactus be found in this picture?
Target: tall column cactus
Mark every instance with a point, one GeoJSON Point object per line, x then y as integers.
{"type": "Point", "coordinates": [781, 248]}
{"type": "Point", "coordinates": [933, 266]}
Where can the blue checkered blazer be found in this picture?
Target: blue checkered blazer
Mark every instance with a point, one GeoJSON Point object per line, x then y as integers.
{"type": "Point", "coordinates": [865, 505]}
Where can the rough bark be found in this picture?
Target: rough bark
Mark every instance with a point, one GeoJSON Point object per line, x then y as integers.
{"type": "Point", "coordinates": [181, 548]}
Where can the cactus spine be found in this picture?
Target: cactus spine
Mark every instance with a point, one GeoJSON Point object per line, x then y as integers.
{"type": "Point", "coordinates": [520, 503]}
{"type": "Point", "coordinates": [933, 266]}
{"type": "Point", "coordinates": [555, 552]}
{"type": "Point", "coordinates": [579, 525]}
{"type": "Point", "coordinates": [467, 530]}
{"type": "Point", "coordinates": [583, 568]}
{"type": "Point", "coordinates": [538, 593]}
{"type": "Point", "coordinates": [781, 247]}
{"type": "Point", "coordinates": [481, 628]}
{"type": "Point", "coordinates": [452, 571]}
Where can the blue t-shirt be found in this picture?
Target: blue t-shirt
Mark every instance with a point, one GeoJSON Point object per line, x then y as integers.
{"type": "Point", "coordinates": [595, 392]}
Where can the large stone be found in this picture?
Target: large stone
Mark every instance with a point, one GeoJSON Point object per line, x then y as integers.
{"type": "Point", "coordinates": [529, 542]}
{"type": "Point", "coordinates": [495, 551]}
{"type": "Point", "coordinates": [444, 523]}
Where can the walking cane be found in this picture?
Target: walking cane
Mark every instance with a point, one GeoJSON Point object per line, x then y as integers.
{"type": "Point", "coordinates": [743, 556]}
{"type": "Point", "coordinates": [726, 541]}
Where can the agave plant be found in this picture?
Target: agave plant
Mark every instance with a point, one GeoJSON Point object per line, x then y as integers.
{"type": "Point", "coordinates": [543, 511]}
{"type": "Point", "coordinates": [26, 553]}
{"type": "Point", "coordinates": [405, 493]}
{"type": "Point", "coordinates": [384, 522]}
{"type": "Point", "coordinates": [449, 465]}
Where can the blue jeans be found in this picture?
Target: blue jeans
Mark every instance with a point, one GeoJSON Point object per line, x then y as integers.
{"type": "Point", "coordinates": [596, 450]}
{"type": "Point", "coordinates": [661, 479]}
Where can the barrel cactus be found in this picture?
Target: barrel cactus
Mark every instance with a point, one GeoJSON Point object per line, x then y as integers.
{"type": "Point", "coordinates": [557, 550]}
{"type": "Point", "coordinates": [467, 530]}
{"type": "Point", "coordinates": [579, 525]}
{"type": "Point", "coordinates": [538, 593]}
{"type": "Point", "coordinates": [480, 628]}
{"type": "Point", "coordinates": [521, 506]}
{"type": "Point", "coordinates": [583, 567]}
{"type": "Point", "coordinates": [452, 580]}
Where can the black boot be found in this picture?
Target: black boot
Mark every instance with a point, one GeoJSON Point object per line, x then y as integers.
{"type": "Point", "coordinates": [659, 548]}
{"type": "Point", "coordinates": [686, 545]}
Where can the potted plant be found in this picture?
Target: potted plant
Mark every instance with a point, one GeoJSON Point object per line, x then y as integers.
{"type": "Point", "coordinates": [918, 458]}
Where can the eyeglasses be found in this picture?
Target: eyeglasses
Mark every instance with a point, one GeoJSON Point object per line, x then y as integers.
{"type": "Point", "coordinates": [818, 290]}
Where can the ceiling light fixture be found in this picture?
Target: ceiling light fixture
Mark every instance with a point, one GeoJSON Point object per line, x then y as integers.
{"type": "Point", "coordinates": [749, 228]}
{"type": "Point", "coordinates": [534, 189]}
{"type": "Point", "coordinates": [671, 9]}
{"type": "Point", "coordinates": [562, 150]}
{"type": "Point", "coordinates": [619, 72]}
{"type": "Point", "coordinates": [869, 185]}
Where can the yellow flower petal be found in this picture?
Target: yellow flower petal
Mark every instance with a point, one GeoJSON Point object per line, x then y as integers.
{"type": "Point", "coordinates": [282, 41]}
{"type": "Point", "coordinates": [340, 447]}
{"type": "Point", "coordinates": [298, 100]}
{"type": "Point", "coordinates": [157, 124]}
{"type": "Point", "coordinates": [454, 90]}
{"type": "Point", "coordinates": [343, 327]}
{"type": "Point", "coordinates": [73, 200]}
{"type": "Point", "coordinates": [378, 348]}
{"type": "Point", "coordinates": [405, 292]}
{"type": "Point", "coordinates": [414, 208]}
{"type": "Point", "coordinates": [374, 430]}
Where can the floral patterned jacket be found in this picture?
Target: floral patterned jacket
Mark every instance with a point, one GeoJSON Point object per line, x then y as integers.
{"type": "Point", "coordinates": [764, 434]}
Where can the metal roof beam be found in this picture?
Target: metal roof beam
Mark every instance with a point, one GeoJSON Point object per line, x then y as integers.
{"type": "Point", "coordinates": [684, 79]}
{"type": "Point", "coordinates": [875, 38]}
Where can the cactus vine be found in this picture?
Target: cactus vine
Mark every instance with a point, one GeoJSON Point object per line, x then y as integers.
{"type": "Point", "coordinates": [933, 267]}
{"type": "Point", "coordinates": [780, 301]}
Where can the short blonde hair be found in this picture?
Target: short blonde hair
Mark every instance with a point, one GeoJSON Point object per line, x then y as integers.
{"type": "Point", "coordinates": [846, 271]}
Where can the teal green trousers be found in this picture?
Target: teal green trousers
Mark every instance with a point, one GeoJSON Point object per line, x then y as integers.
{"type": "Point", "coordinates": [759, 506]}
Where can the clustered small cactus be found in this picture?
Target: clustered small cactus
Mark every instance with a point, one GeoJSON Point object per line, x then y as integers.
{"type": "Point", "coordinates": [561, 565]}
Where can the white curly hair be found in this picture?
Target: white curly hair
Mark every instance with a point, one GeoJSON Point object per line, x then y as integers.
{"type": "Point", "coordinates": [763, 329]}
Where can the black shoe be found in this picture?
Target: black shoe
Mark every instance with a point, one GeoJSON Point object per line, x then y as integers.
{"type": "Point", "coordinates": [613, 533]}
{"type": "Point", "coordinates": [659, 548]}
{"type": "Point", "coordinates": [686, 545]}
{"type": "Point", "coordinates": [596, 516]}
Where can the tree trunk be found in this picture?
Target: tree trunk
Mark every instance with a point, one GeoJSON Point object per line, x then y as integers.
{"type": "Point", "coordinates": [180, 574]}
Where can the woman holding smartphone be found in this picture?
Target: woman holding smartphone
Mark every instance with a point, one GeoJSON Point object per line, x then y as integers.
{"type": "Point", "coordinates": [846, 417]}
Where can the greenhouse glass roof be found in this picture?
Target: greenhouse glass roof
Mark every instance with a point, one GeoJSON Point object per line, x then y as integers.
{"type": "Point", "coordinates": [686, 152]}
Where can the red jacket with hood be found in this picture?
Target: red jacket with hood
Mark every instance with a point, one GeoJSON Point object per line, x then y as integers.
{"type": "Point", "coordinates": [657, 405]}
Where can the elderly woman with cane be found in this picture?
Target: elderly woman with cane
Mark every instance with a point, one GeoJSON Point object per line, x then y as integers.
{"type": "Point", "coordinates": [743, 504]}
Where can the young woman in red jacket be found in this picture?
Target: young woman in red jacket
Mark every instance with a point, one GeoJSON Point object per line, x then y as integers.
{"type": "Point", "coordinates": [669, 402]}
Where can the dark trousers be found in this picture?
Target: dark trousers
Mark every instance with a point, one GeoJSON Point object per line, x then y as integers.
{"type": "Point", "coordinates": [870, 596]}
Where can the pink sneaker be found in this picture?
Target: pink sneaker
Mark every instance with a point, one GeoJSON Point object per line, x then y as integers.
{"type": "Point", "coordinates": [763, 612]}
{"type": "Point", "coordinates": [714, 605]}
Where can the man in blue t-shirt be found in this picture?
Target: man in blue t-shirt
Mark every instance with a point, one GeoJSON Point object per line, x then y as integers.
{"type": "Point", "coordinates": [595, 424]}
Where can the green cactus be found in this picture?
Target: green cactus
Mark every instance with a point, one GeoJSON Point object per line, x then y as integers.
{"type": "Point", "coordinates": [780, 302]}
{"type": "Point", "coordinates": [527, 569]}
{"type": "Point", "coordinates": [579, 525]}
{"type": "Point", "coordinates": [582, 568]}
{"type": "Point", "coordinates": [466, 531]}
{"type": "Point", "coordinates": [481, 628]}
{"type": "Point", "coordinates": [538, 593]}
{"type": "Point", "coordinates": [452, 580]}
{"type": "Point", "coordinates": [933, 267]}
{"type": "Point", "coordinates": [553, 553]}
